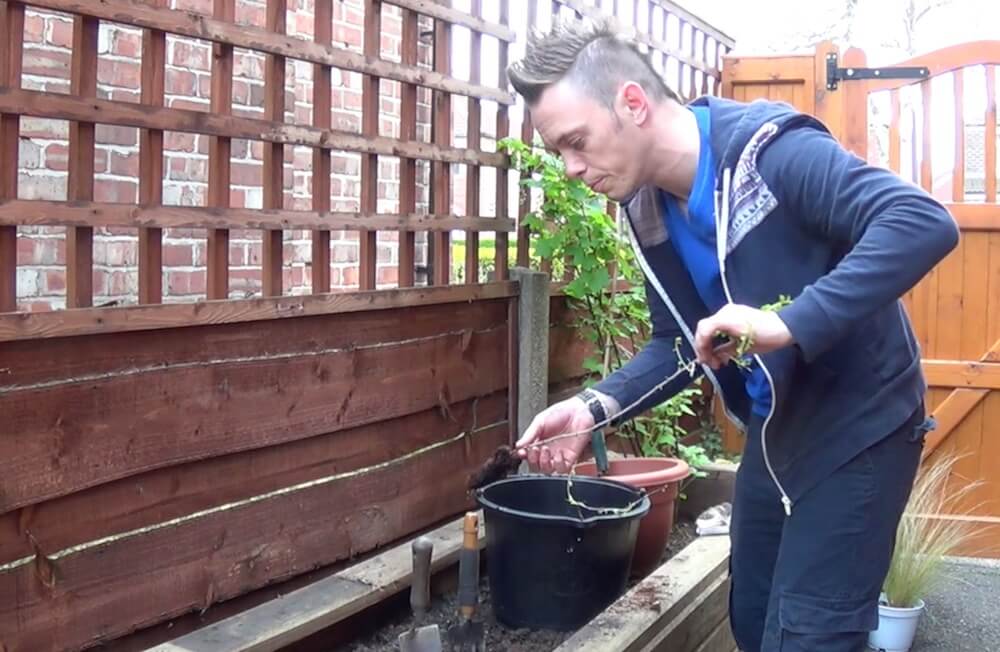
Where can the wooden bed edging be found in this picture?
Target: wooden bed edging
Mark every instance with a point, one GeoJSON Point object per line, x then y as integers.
{"type": "Point", "coordinates": [682, 606]}
{"type": "Point", "coordinates": [296, 615]}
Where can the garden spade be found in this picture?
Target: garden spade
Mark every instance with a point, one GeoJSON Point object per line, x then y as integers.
{"type": "Point", "coordinates": [421, 637]}
{"type": "Point", "coordinates": [467, 635]}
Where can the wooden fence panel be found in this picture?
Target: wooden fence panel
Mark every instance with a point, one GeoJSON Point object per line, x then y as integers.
{"type": "Point", "coordinates": [197, 463]}
{"type": "Point", "coordinates": [931, 132]}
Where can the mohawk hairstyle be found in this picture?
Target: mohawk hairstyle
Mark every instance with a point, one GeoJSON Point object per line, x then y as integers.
{"type": "Point", "coordinates": [591, 55]}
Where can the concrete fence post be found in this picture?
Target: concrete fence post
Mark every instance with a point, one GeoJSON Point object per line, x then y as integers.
{"type": "Point", "coordinates": [532, 344]}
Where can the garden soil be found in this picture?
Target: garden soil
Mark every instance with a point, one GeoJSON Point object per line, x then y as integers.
{"type": "Point", "coordinates": [444, 612]}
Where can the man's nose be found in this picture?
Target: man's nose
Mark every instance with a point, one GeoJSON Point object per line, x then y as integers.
{"type": "Point", "coordinates": [575, 167]}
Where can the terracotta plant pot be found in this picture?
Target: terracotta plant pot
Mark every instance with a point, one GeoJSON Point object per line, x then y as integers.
{"type": "Point", "coordinates": [661, 478]}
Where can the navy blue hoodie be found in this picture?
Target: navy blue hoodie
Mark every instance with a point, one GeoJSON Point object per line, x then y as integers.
{"type": "Point", "coordinates": [797, 215]}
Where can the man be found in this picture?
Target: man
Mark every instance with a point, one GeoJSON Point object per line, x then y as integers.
{"type": "Point", "coordinates": [731, 206]}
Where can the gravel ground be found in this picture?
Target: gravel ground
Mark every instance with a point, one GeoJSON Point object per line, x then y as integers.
{"type": "Point", "coordinates": [961, 615]}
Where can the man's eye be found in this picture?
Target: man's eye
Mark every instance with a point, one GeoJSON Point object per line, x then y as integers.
{"type": "Point", "coordinates": [577, 143]}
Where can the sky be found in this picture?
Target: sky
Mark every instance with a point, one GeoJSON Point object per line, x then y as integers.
{"type": "Point", "coordinates": [772, 25]}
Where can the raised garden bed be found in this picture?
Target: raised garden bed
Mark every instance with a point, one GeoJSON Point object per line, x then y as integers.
{"type": "Point", "coordinates": [683, 602]}
{"type": "Point", "coordinates": [444, 612]}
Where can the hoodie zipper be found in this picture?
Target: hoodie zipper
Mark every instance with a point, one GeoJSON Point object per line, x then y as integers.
{"type": "Point", "coordinates": [688, 335]}
{"type": "Point", "coordinates": [721, 236]}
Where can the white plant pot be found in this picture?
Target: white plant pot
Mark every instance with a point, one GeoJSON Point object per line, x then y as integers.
{"type": "Point", "coordinates": [897, 627]}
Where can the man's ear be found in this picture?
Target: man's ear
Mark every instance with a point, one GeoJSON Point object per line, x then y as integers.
{"type": "Point", "coordinates": [635, 103]}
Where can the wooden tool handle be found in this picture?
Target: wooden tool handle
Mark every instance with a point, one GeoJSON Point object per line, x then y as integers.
{"type": "Point", "coordinates": [468, 566]}
{"type": "Point", "coordinates": [420, 590]}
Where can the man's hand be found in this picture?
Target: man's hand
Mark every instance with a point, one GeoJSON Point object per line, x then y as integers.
{"type": "Point", "coordinates": [571, 415]}
{"type": "Point", "coordinates": [766, 329]}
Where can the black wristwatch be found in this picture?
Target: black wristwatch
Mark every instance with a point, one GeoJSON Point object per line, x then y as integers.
{"type": "Point", "coordinates": [596, 407]}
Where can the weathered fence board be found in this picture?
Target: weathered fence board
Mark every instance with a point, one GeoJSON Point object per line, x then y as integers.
{"type": "Point", "coordinates": [211, 556]}
{"type": "Point", "coordinates": [69, 431]}
{"type": "Point", "coordinates": [173, 492]}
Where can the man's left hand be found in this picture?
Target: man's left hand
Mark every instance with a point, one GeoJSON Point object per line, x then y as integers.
{"type": "Point", "coordinates": [768, 333]}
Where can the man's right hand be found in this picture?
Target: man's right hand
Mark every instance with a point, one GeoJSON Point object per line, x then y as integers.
{"type": "Point", "coordinates": [571, 415]}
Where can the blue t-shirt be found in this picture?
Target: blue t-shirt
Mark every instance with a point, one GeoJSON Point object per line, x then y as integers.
{"type": "Point", "coordinates": [693, 238]}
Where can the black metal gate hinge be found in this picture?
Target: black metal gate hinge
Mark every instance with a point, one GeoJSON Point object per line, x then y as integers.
{"type": "Point", "coordinates": [836, 74]}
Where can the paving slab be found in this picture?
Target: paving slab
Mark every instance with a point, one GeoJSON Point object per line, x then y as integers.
{"type": "Point", "coordinates": [962, 613]}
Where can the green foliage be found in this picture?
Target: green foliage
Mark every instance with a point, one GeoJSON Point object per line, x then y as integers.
{"type": "Point", "coordinates": [572, 230]}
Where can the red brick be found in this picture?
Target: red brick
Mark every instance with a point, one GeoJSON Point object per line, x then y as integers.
{"type": "Point", "coordinates": [118, 73]}
{"type": "Point", "coordinates": [247, 14]}
{"type": "Point", "coordinates": [205, 85]}
{"type": "Point", "coordinates": [36, 306]}
{"type": "Point", "coordinates": [25, 251]}
{"type": "Point", "coordinates": [246, 174]}
{"type": "Point", "coordinates": [384, 252]}
{"type": "Point", "coordinates": [349, 36]}
{"type": "Point", "coordinates": [349, 277]}
{"type": "Point", "coordinates": [100, 282]}
{"type": "Point", "coordinates": [116, 190]}
{"type": "Point", "coordinates": [118, 253]}
{"type": "Point", "coordinates": [255, 254]}
{"type": "Point", "coordinates": [336, 278]}
{"type": "Point", "coordinates": [46, 63]}
{"type": "Point", "coordinates": [180, 283]}
{"type": "Point", "coordinates": [247, 277]}
{"type": "Point", "coordinates": [55, 281]}
{"type": "Point", "coordinates": [344, 253]}
{"type": "Point", "coordinates": [249, 65]}
{"type": "Point", "coordinates": [239, 148]}
{"type": "Point", "coordinates": [117, 282]}
{"type": "Point", "coordinates": [191, 54]}
{"type": "Point", "coordinates": [175, 141]}
{"type": "Point", "coordinates": [178, 255]}
{"type": "Point", "coordinates": [179, 82]}
{"type": "Point", "coordinates": [388, 275]}
{"type": "Point", "coordinates": [126, 43]}
{"type": "Point", "coordinates": [100, 160]}
{"type": "Point", "coordinates": [237, 197]}
{"type": "Point", "coordinates": [50, 251]}
{"type": "Point", "coordinates": [61, 34]}
{"type": "Point", "coordinates": [34, 27]}
{"type": "Point", "coordinates": [241, 91]}
{"type": "Point", "coordinates": [236, 256]}
{"type": "Point", "coordinates": [345, 164]}
{"type": "Point", "coordinates": [304, 24]}
{"type": "Point", "coordinates": [111, 135]}
{"type": "Point", "coordinates": [126, 165]}
{"type": "Point", "coordinates": [187, 169]}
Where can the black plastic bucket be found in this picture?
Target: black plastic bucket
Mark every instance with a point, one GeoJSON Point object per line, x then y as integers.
{"type": "Point", "coordinates": [553, 565]}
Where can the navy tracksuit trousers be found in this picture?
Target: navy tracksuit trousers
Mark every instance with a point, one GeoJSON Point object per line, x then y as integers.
{"type": "Point", "coordinates": [811, 582]}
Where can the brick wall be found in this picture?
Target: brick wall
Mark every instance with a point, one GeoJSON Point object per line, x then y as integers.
{"type": "Point", "coordinates": [41, 279]}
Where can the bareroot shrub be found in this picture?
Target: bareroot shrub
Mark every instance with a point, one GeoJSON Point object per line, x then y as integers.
{"type": "Point", "coordinates": [926, 535]}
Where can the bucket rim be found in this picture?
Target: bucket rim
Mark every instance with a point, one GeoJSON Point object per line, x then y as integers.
{"type": "Point", "coordinates": [638, 511]}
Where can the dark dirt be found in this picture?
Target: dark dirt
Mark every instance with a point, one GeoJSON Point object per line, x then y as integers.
{"type": "Point", "coordinates": [444, 612]}
{"type": "Point", "coordinates": [502, 463]}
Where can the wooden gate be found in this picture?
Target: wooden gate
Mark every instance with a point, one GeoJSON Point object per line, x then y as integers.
{"type": "Point", "coordinates": [938, 131]}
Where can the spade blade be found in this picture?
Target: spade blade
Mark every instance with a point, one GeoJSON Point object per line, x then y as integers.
{"type": "Point", "coordinates": [421, 639]}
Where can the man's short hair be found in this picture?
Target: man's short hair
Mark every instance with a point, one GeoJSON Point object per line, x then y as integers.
{"type": "Point", "coordinates": [592, 55]}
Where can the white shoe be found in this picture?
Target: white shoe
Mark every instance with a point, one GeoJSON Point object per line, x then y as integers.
{"type": "Point", "coordinates": [714, 520]}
